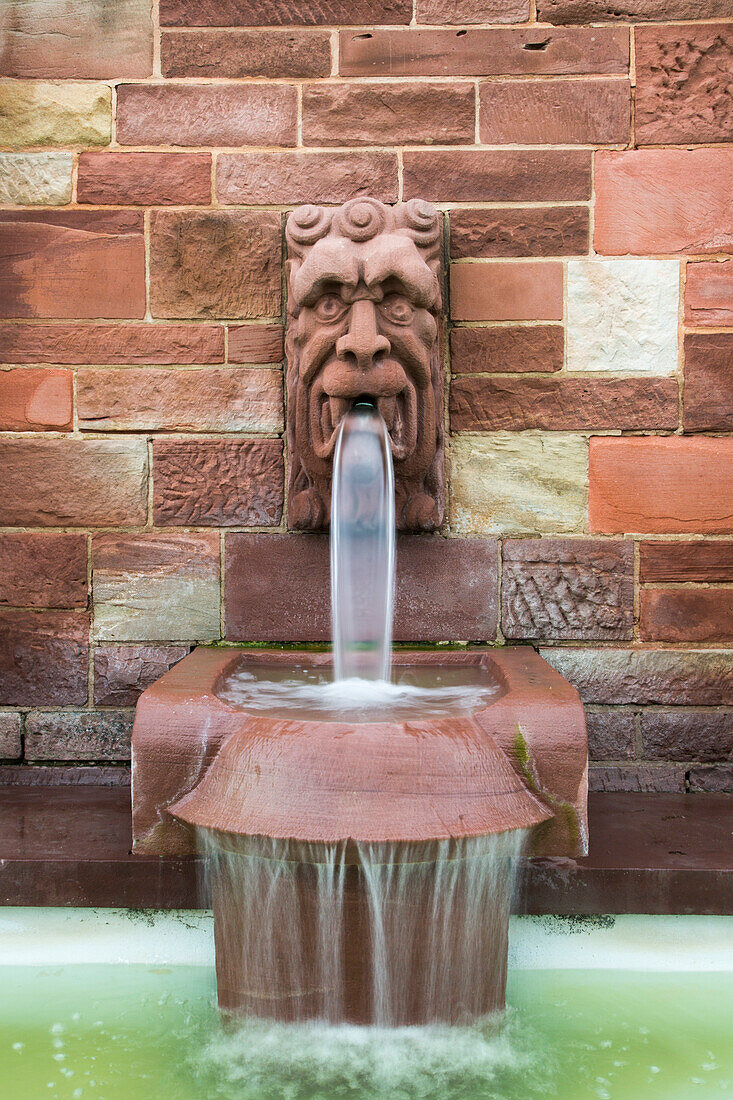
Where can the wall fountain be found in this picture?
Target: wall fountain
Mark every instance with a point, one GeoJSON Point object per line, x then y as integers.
{"type": "Point", "coordinates": [362, 826]}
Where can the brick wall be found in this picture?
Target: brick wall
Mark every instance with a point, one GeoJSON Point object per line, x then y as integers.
{"type": "Point", "coordinates": [582, 151]}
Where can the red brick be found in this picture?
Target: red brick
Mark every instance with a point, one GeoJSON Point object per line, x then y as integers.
{"type": "Point", "coordinates": [481, 52]}
{"type": "Point", "coordinates": [144, 179]}
{"type": "Point", "coordinates": [506, 291]}
{"type": "Point", "coordinates": [545, 112]}
{"type": "Point", "coordinates": [687, 614]}
{"type": "Point", "coordinates": [218, 483]}
{"type": "Point", "coordinates": [215, 263]}
{"type": "Point", "coordinates": [206, 114]}
{"type": "Point", "coordinates": [709, 293]}
{"type": "Point", "coordinates": [388, 114]}
{"type": "Point", "coordinates": [255, 344]}
{"type": "Point", "coordinates": [683, 88]}
{"type": "Point", "coordinates": [684, 733]}
{"type": "Point", "coordinates": [94, 39]}
{"type": "Point", "coordinates": [136, 343]}
{"type": "Point", "coordinates": [611, 733]}
{"type": "Point", "coordinates": [594, 11]}
{"type": "Point", "coordinates": [262, 13]}
{"type": "Point", "coordinates": [43, 570]}
{"type": "Point", "coordinates": [667, 562]}
{"type": "Point", "coordinates": [84, 735]}
{"type": "Point", "coordinates": [35, 400]}
{"type": "Point", "coordinates": [43, 658]}
{"type": "Point", "coordinates": [528, 231]}
{"type": "Point", "coordinates": [487, 403]}
{"type": "Point", "coordinates": [716, 778]}
{"type": "Point", "coordinates": [646, 778]}
{"type": "Point", "coordinates": [652, 201]}
{"type": "Point", "coordinates": [73, 482]}
{"type": "Point", "coordinates": [122, 672]}
{"type": "Point", "coordinates": [217, 399]}
{"type": "Point", "coordinates": [291, 177]}
{"type": "Point", "coordinates": [245, 53]}
{"type": "Point", "coordinates": [506, 350]}
{"type": "Point", "coordinates": [10, 743]}
{"type": "Point", "coordinates": [663, 486]}
{"type": "Point", "coordinates": [708, 392]}
{"type": "Point", "coordinates": [54, 271]}
{"type": "Point", "coordinates": [472, 11]}
{"type": "Point", "coordinates": [490, 175]}
{"type": "Point", "coordinates": [277, 587]}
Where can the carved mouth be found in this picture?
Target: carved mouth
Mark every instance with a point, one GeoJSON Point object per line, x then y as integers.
{"type": "Point", "coordinates": [399, 413]}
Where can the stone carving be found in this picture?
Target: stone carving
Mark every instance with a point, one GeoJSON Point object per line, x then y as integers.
{"type": "Point", "coordinates": [364, 303]}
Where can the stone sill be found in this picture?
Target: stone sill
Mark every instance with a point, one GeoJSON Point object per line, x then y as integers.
{"type": "Point", "coordinates": [649, 853]}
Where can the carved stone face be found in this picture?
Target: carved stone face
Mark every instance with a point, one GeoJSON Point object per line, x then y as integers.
{"type": "Point", "coordinates": [363, 309]}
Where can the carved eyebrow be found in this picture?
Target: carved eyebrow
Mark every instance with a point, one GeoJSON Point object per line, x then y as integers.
{"type": "Point", "coordinates": [323, 268]}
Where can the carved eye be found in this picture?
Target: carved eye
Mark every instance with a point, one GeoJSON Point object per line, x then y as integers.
{"type": "Point", "coordinates": [329, 308]}
{"type": "Point", "coordinates": [397, 309]}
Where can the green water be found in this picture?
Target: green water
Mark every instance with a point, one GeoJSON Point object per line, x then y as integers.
{"type": "Point", "coordinates": [147, 1033]}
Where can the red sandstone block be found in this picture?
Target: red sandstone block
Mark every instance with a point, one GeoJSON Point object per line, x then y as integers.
{"type": "Point", "coordinates": [717, 778]}
{"type": "Point", "coordinates": [506, 291]}
{"type": "Point", "coordinates": [207, 114]}
{"type": "Point", "coordinates": [122, 672]}
{"type": "Point", "coordinates": [661, 485]}
{"type": "Point", "coordinates": [60, 775]}
{"type": "Point", "coordinates": [592, 11]}
{"type": "Point", "coordinates": [686, 615]}
{"type": "Point", "coordinates": [528, 231]}
{"type": "Point", "coordinates": [51, 270]}
{"type": "Point", "coordinates": [667, 562]}
{"type": "Point", "coordinates": [506, 350]}
{"type": "Point", "coordinates": [686, 733]}
{"type": "Point", "coordinates": [487, 403]}
{"type": "Point", "coordinates": [560, 112]}
{"type": "Point", "coordinates": [388, 114]}
{"type": "Point", "coordinates": [255, 343]}
{"type": "Point", "coordinates": [262, 13]}
{"type": "Point", "coordinates": [35, 400]}
{"type": "Point", "coordinates": [10, 743]}
{"type": "Point", "coordinates": [108, 222]}
{"type": "Point", "coordinates": [43, 658]}
{"type": "Point", "coordinates": [84, 735]}
{"type": "Point", "coordinates": [709, 293]}
{"type": "Point", "coordinates": [683, 84]}
{"type": "Point", "coordinates": [291, 177]}
{"type": "Point", "coordinates": [636, 777]}
{"type": "Point", "coordinates": [708, 393]}
{"type": "Point", "coordinates": [135, 343]}
{"type": "Point", "coordinates": [530, 51]}
{"type": "Point", "coordinates": [43, 570]}
{"type": "Point", "coordinates": [245, 53]}
{"type": "Point", "coordinates": [663, 200]}
{"type": "Point", "coordinates": [144, 179]}
{"type": "Point", "coordinates": [472, 11]}
{"type": "Point", "coordinates": [489, 175]}
{"type": "Point", "coordinates": [611, 733]}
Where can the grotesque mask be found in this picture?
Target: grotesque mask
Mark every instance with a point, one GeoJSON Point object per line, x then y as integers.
{"type": "Point", "coordinates": [364, 300]}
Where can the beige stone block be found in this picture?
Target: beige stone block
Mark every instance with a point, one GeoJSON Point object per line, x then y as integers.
{"type": "Point", "coordinates": [33, 112]}
{"type": "Point", "coordinates": [35, 179]}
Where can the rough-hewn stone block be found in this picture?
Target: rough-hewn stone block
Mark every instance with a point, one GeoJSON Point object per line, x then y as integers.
{"type": "Point", "coordinates": [217, 399]}
{"type": "Point", "coordinates": [683, 84]}
{"type": "Point", "coordinates": [27, 179]}
{"type": "Point", "coordinates": [10, 747]}
{"type": "Point", "coordinates": [517, 483]}
{"type": "Point", "coordinates": [567, 588]}
{"type": "Point", "coordinates": [686, 614]}
{"type": "Point", "coordinates": [503, 349]}
{"type": "Point", "coordinates": [73, 482]}
{"type": "Point", "coordinates": [668, 562]}
{"type": "Point", "coordinates": [215, 264]}
{"type": "Point", "coordinates": [79, 735]}
{"type": "Point", "coordinates": [43, 658]}
{"type": "Point", "coordinates": [35, 399]}
{"type": "Point", "coordinates": [92, 39]}
{"type": "Point", "coordinates": [43, 570]}
{"type": "Point", "coordinates": [717, 778]}
{"type": "Point", "coordinates": [611, 733]}
{"type": "Point", "coordinates": [207, 114]}
{"type": "Point", "coordinates": [532, 231]}
{"type": "Point", "coordinates": [238, 53]}
{"type": "Point", "coordinates": [506, 291]}
{"type": "Point", "coordinates": [388, 114]}
{"type": "Point", "coordinates": [492, 175]}
{"type": "Point", "coordinates": [709, 293]}
{"type": "Point", "coordinates": [136, 343]}
{"type": "Point", "coordinates": [662, 486]}
{"type": "Point", "coordinates": [34, 113]}
{"type": "Point", "coordinates": [256, 344]}
{"type": "Point", "coordinates": [299, 176]}
{"type": "Point", "coordinates": [698, 677]}
{"type": "Point", "coordinates": [560, 112]}
{"type": "Point", "coordinates": [645, 778]}
{"type": "Point", "coordinates": [594, 11]}
{"type": "Point", "coordinates": [221, 483]}
{"type": "Point", "coordinates": [256, 13]}
{"type": "Point", "coordinates": [488, 403]}
{"type": "Point", "coordinates": [472, 11]}
{"type": "Point", "coordinates": [277, 587]}
{"type": "Point", "coordinates": [708, 392]}
{"type": "Point", "coordinates": [650, 201]}
{"type": "Point", "coordinates": [144, 179]}
{"type": "Point", "coordinates": [530, 51]}
{"type": "Point", "coordinates": [623, 316]}
{"type": "Point", "coordinates": [687, 734]}
{"type": "Point", "coordinates": [156, 587]}
{"type": "Point", "coordinates": [122, 672]}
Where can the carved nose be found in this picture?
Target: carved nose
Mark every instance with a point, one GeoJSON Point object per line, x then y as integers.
{"type": "Point", "coordinates": [363, 344]}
